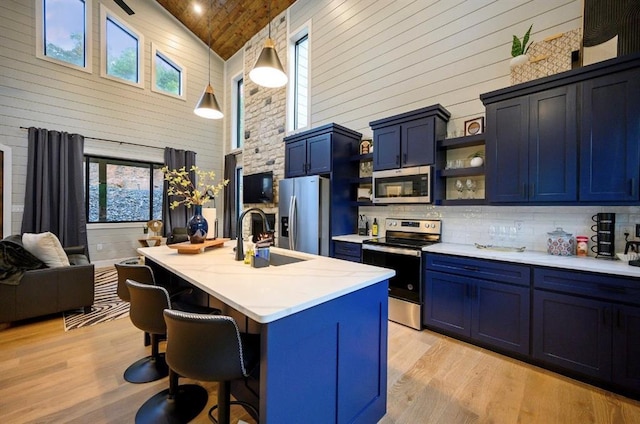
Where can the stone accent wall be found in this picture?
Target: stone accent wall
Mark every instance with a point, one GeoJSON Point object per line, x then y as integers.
{"type": "Point", "coordinates": [265, 115]}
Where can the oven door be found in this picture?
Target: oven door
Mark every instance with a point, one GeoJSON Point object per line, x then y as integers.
{"type": "Point", "coordinates": [407, 263]}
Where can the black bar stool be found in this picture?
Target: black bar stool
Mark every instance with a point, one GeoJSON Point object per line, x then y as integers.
{"type": "Point", "coordinates": [206, 348]}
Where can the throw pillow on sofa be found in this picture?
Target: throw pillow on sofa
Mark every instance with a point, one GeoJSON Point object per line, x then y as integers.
{"type": "Point", "coordinates": [47, 248]}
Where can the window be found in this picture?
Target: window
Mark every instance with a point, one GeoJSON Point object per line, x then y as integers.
{"type": "Point", "coordinates": [121, 50]}
{"type": "Point", "coordinates": [167, 75]}
{"type": "Point", "coordinates": [298, 100]}
{"type": "Point", "coordinates": [238, 113]}
{"type": "Point", "coordinates": [301, 83]}
{"type": "Point", "coordinates": [123, 190]}
{"type": "Point", "coordinates": [63, 32]}
{"type": "Point", "coordinates": [239, 204]}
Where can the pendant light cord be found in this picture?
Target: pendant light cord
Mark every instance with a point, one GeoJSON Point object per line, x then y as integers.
{"type": "Point", "coordinates": [269, 16]}
{"type": "Point", "coordinates": [209, 45]}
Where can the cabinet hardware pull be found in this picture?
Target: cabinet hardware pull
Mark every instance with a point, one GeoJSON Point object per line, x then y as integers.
{"type": "Point", "coordinates": [475, 292]}
{"type": "Point", "coordinates": [404, 158]}
{"type": "Point", "coordinates": [619, 318]}
{"type": "Point", "coordinates": [612, 289]}
{"type": "Point", "coordinates": [470, 268]}
{"type": "Point", "coordinates": [524, 190]}
{"type": "Point", "coordinates": [532, 190]}
{"type": "Point", "coordinates": [397, 159]}
{"type": "Point", "coordinates": [606, 312]}
{"type": "Point", "coordinates": [633, 187]}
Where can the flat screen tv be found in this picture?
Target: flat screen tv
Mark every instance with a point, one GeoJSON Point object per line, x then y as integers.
{"type": "Point", "coordinates": [257, 188]}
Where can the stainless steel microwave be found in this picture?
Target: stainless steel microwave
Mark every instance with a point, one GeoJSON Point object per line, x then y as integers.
{"type": "Point", "coordinates": [404, 185]}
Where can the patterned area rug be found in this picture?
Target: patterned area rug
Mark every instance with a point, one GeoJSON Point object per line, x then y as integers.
{"type": "Point", "coordinates": [107, 306]}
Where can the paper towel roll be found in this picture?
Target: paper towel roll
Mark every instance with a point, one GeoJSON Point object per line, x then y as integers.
{"type": "Point", "coordinates": [210, 215]}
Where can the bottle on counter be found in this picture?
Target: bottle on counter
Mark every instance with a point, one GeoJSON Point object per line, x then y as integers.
{"type": "Point", "coordinates": [374, 227]}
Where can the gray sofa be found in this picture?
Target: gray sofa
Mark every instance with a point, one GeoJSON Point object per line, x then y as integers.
{"type": "Point", "coordinates": [46, 291]}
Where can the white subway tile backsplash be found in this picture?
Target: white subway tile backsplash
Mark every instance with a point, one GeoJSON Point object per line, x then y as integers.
{"type": "Point", "coordinates": [470, 224]}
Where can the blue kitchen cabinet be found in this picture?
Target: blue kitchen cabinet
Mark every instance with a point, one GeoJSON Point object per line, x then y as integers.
{"type": "Point", "coordinates": [408, 139]}
{"type": "Point", "coordinates": [573, 333]}
{"type": "Point", "coordinates": [610, 138]}
{"type": "Point", "coordinates": [310, 156]}
{"type": "Point", "coordinates": [588, 323]}
{"type": "Point", "coordinates": [347, 251]}
{"type": "Point", "coordinates": [531, 148]}
{"type": "Point", "coordinates": [485, 301]}
{"type": "Point", "coordinates": [626, 342]}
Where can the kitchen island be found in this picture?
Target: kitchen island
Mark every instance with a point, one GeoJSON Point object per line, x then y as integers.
{"type": "Point", "coordinates": [323, 327]}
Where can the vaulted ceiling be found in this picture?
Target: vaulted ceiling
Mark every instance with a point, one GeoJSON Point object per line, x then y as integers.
{"type": "Point", "coordinates": [233, 22]}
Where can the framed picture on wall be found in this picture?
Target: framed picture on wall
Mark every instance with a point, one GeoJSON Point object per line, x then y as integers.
{"type": "Point", "coordinates": [474, 126]}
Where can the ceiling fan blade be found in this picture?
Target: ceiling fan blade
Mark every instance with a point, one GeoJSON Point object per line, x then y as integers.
{"type": "Point", "coordinates": [124, 7]}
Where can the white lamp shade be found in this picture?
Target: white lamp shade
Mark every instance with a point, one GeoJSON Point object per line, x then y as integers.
{"type": "Point", "coordinates": [207, 106]}
{"type": "Point", "coordinates": [268, 71]}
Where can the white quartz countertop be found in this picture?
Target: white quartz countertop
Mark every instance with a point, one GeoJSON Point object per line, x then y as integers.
{"type": "Point", "coordinates": [589, 264]}
{"type": "Point", "coordinates": [352, 238]}
{"type": "Point", "coordinates": [270, 293]}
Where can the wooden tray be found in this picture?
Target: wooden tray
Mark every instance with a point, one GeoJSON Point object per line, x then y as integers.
{"type": "Point", "coordinates": [191, 249]}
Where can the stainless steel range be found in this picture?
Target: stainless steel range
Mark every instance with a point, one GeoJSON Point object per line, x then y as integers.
{"type": "Point", "coordinates": [401, 250]}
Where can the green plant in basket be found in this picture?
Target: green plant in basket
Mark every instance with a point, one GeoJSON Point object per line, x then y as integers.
{"type": "Point", "coordinates": [519, 48]}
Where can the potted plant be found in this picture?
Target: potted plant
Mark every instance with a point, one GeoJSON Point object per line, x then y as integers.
{"type": "Point", "coordinates": [185, 191]}
{"type": "Point", "coordinates": [476, 159]}
{"type": "Point", "coordinates": [519, 49]}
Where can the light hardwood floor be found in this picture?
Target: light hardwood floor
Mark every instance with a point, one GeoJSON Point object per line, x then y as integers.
{"type": "Point", "coordinates": [49, 376]}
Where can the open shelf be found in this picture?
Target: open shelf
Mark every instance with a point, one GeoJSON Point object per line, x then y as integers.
{"type": "Point", "coordinates": [466, 141]}
{"type": "Point", "coordinates": [463, 172]}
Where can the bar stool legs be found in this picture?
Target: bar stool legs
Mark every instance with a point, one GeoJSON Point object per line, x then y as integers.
{"type": "Point", "coordinates": [224, 404]}
{"type": "Point", "coordinates": [150, 368]}
{"type": "Point", "coordinates": [177, 404]}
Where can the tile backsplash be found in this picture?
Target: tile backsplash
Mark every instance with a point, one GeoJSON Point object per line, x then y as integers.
{"type": "Point", "coordinates": [470, 224]}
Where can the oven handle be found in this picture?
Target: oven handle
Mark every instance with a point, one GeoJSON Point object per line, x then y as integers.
{"type": "Point", "coordinates": [396, 250]}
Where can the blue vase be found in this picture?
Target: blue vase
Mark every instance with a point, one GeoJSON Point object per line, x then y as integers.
{"type": "Point", "coordinates": [197, 227]}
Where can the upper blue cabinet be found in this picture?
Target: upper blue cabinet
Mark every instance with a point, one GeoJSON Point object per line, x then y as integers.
{"type": "Point", "coordinates": [408, 139]}
{"type": "Point", "coordinates": [566, 139]}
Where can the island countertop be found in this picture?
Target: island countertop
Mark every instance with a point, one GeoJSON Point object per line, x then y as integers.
{"type": "Point", "coordinates": [270, 293]}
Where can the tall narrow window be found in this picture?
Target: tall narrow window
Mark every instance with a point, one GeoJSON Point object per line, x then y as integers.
{"type": "Point", "coordinates": [238, 139]}
{"type": "Point", "coordinates": [63, 34]}
{"type": "Point", "coordinates": [301, 83]}
{"type": "Point", "coordinates": [298, 102]}
{"type": "Point", "coordinates": [122, 49]}
{"type": "Point", "coordinates": [167, 75]}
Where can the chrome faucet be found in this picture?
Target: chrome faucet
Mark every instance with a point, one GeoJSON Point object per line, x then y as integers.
{"type": "Point", "coordinates": [239, 245]}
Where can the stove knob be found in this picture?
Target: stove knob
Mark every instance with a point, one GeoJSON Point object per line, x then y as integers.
{"type": "Point", "coordinates": [410, 286]}
{"type": "Point", "coordinates": [433, 225]}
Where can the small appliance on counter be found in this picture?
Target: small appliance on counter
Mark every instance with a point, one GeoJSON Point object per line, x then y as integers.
{"type": "Point", "coordinates": [631, 249]}
{"type": "Point", "coordinates": [604, 238]}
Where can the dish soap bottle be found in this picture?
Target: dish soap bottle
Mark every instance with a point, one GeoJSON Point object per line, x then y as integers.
{"type": "Point", "coordinates": [374, 227]}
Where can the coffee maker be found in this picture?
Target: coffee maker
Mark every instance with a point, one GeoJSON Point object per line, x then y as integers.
{"type": "Point", "coordinates": [604, 238]}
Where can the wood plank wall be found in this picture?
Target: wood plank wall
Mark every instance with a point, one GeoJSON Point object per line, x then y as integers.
{"type": "Point", "coordinates": [35, 92]}
{"type": "Point", "coordinates": [370, 60]}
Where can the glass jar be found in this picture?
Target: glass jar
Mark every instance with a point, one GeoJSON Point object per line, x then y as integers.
{"type": "Point", "coordinates": [560, 243]}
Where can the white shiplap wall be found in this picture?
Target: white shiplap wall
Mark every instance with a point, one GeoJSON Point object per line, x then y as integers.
{"type": "Point", "coordinates": [39, 93]}
{"type": "Point", "coordinates": [371, 60]}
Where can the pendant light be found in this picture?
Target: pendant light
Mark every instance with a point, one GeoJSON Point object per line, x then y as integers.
{"type": "Point", "coordinates": [207, 106]}
{"type": "Point", "coordinates": [268, 71]}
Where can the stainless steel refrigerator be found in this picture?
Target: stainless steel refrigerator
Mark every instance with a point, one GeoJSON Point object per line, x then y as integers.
{"type": "Point", "coordinates": [304, 214]}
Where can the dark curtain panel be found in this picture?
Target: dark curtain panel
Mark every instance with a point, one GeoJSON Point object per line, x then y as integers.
{"type": "Point", "coordinates": [230, 212]}
{"type": "Point", "coordinates": [178, 217]}
{"type": "Point", "coordinates": [54, 192]}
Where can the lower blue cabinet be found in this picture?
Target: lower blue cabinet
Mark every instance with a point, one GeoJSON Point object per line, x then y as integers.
{"type": "Point", "coordinates": [493, 313]}
{"type": "Point", "coordinates": [347, 251]}
{"type": "Point", "coordinates": [580, 323]}
{"type": "Point", "coordinates": [572, 332]}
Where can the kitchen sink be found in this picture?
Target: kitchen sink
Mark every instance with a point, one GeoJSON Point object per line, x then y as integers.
{"type": "Point", "coordinates": [276, 259]}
